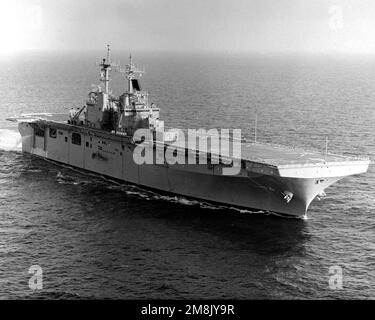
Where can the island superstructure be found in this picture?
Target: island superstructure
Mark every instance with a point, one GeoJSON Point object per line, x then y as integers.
{"type": "Point", "coordinates": [99, 137]}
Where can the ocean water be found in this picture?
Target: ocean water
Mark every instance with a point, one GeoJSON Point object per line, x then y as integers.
{"type": "Point", "coordinates": [95, 238]}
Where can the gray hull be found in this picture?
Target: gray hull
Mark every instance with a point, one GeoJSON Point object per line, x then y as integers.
{"type": "Point", "coordinates": [112, 155]}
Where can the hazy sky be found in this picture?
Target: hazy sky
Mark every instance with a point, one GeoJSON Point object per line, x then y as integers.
{"type": "Point", "coordinates": [211, 25]}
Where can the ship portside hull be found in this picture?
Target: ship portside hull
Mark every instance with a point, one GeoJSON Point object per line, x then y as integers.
{"type": "Point", "coordinates": [112, 156]}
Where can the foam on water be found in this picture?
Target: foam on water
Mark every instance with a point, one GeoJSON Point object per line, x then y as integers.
{"type": "Point", "coordinates": [10, 140]}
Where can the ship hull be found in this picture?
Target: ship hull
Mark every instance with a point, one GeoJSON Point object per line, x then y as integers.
{"type": "Point", "coordinates": [112, 155]}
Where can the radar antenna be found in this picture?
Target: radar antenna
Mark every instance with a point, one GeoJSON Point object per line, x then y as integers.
{"type": "Point", "coordinates": [105, 68]}
{"type": "Point", "coordinates": [131, 72]}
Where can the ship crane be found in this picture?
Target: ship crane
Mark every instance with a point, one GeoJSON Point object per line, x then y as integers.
{"type": "Point", "coordinates": [74, 115]}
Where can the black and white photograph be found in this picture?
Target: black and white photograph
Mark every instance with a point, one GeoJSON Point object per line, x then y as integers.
{"type": "Point", "coordinates": [205, 152]}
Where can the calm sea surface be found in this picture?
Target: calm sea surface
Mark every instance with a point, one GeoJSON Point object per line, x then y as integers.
{"type": "Point", "coordinates": [95, 238]}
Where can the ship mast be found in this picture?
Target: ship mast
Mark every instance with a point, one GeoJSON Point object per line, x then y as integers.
{"type": "Point", "coordinates": [105, 68]}
{"type": "Point", "coordinates": [132, 73]}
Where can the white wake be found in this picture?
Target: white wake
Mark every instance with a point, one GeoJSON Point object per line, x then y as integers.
{"type": "Point", "coordinates": [10, 140]}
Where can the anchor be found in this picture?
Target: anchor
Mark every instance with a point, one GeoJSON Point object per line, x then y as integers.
{"type": "Point", "coordinates": [287, 196]}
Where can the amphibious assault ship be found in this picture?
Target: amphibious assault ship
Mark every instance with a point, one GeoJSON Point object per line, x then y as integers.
{"type": "Point", "coordinates": [101, 137]}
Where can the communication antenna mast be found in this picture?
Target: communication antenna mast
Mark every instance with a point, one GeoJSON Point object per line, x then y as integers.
{"type": "Point", "coordinates": [105, 68]}
{"type": "Point", "coordinates": [108, 54]}
{"type": "Point", "coordinates": [131, 71]}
